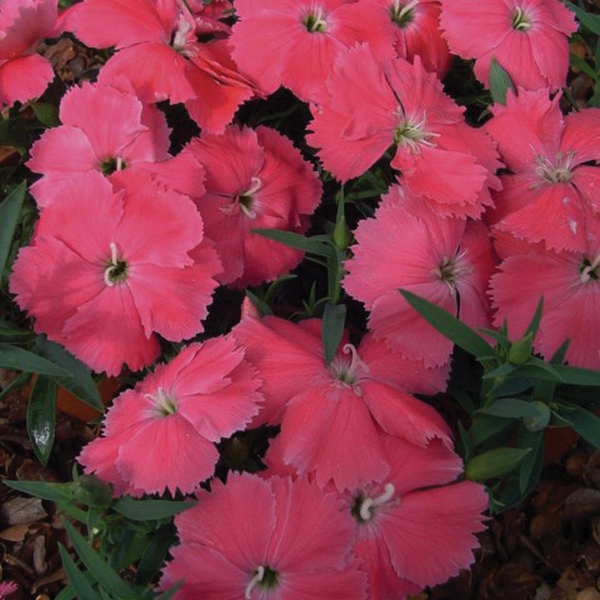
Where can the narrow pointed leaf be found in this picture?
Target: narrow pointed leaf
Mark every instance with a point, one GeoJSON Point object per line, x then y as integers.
{"type": "Point", "coordinates": [10, 210]}
{"type": "Point", "coordinates": [500, 82]}
{"type": "Point", "coordinates": [334, 318]}
{"type": "Point", "coordinates": [47, 113]}
{"type": "Point", "coordinates": [79, 583]}
{"type": "Point", "coordinates": [585, 423]}
{"type": "Point", "coordinates": [450, 326]}
{"type": "Point", "coordinates": [41, 417]}
{"type": "Point", "coordinates": [19, 359]}
{"type": "Point", "coordinates": [495, 463]}
{"type": "Point", "coordinates": [150, 510]}
{"type": "Point", "coordinates": [534, 325]}
{"type": "Point", "coordinates": [591, 21]}
{"type": "Point", "coordinates": [577, 375]}
{"type": "Point", "coordinates": [55, 492]}
{"type": "Point", "coordinates": [298, 242]}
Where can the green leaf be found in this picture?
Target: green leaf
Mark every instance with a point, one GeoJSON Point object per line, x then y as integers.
{"type": "Point", "coordinates": [150, 510]}
{"type": "Point", "coordinates": [535, 415]}
{"type": "Point", "coordinates": [19, 359]}
{"type": "Point", "coordinates": [80, 381]}
{"type": "Point", "coordinates": [591, 21]}
{"type": "Point", "coordinates": [585, 423]}
{"type": "Point", "coordinates": [500, 82]}
{"type": "Point", "coordinates": [495, 463]}
{"type": "Point", "coordinates": [154, 554]}
{"type": "Point", "coordinates": [534, 324]}
{"type": "Point", "coordinates": [313, 245]}
{"type": "Point", "coordinates": [502, 371]}
{"type": "Point", "coordinates": [577, 375]}
{"type": "Point", "coordinates": [21, 380]}
{"type": "Point", "coordinates": [54, 492]}
{"type": "Point", "coordinates": [81, 586]}
{"type": "Point", "coordinates": [485, 427]}
{"type": "Point", "coordinates": [261, 306]}
{"type": "Point", "coordinates": [449, 326]}
{"type": "Point", "coordinates": [511, 387]}
{"type": "Point", "coordinates": [103, 574]}
{"type": "Point", "coordinates": [531, 467]}
{"type": "Point", "coordinates": [10, 211]}
{"type": "Point", "coordinates": [46, 112]}
{"type": "Point", "coordinates": [41, 415]}
{"type": "Point", "coordinates": [334, 318]}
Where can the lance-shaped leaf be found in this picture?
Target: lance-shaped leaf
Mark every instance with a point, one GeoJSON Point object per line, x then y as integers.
{"type": "Point", "coordinates": [79, 582]}
{"type": "Point", "coordinates": [500, 82]}
{"type": "Point", "coordinates": [585, 423]}
{"type": "Point", "coordinates": [495, 463]}
{"type": "Point", "coordinates": [19, 359]}
{"type": "Point", "coordinates": [150, 510]}
{"type": "Point", "coordinates": [10, 210]}
{"type": "Point", "coordinates": [41, 415]}
{"type": "Point", "coordinates": [319, 245]}
{"type": "Point", "coordinates": [334, 318]}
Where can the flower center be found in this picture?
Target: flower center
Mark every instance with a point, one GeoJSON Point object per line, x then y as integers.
{"type": "Point", "coordinates": [348, 372]}
{"type": "Point", "coordinates": [402, 15]}
{"type": "Point", "coordinates": [180, 35]}
{"type": "Point", "coordinates": [314, 21]}
{"type": "Point", "coordinates": [265, 577]}
{"type": "Point", "coordinates": [165, 404]}
{"type": "Point", "coordinates": [520, 21]}
{"type": "Point", "coordinates": [557, 171]}
{"type": "Point", "coordinates": [590, 269]}
{"type": "Point", "coordinates": [116, 269]}
{"type": "Point", "coordinates": [365, 507]}
{"type": "Point", "coordinates": [246, 201]}
{"type": "Point", "coordinates": [110, 165]}
{"type": "Point", "coordinates": [451, 269]}
{"type": "Point", "coordinates": [412, 133]}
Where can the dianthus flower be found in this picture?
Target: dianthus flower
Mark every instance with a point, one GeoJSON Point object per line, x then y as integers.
{"type": "Point", "coordinates": [106, 270]}
{"type": "Point", "coordinates": [446, 261]}
{"type": "Point", "coordinates": [159, 53]}
{"type": "Point", "coordinates": [331, 416]}
{"type": "Point", "coordinates": [416, 528]}
{"type": "Point", "coordinates": [254, 180]}
{"type": "Point", "coordinates": [441, 158]}
{"type": "Point", "coordinates": [400, 28]}
{"type": "Point", "coordinates": [23, 24]}
{"type": "Point", "coordinates": [554, 185]}
{"type": "Point", "coordinates": [299, 43]}
{"type": "Point", "coordinates": [528, 38]}
{"type": "Point", "coordinates": [173, 418]}
{"type": "Point", "coordinates": [128, 132]}
{"type": "Point", "coordinates": [257, 539]}
{"type": "Point", "coordinates": [570, 285]}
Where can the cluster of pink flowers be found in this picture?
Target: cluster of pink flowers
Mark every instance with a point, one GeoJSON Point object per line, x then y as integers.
{"type": "Point", "coordinates": [362, 496]}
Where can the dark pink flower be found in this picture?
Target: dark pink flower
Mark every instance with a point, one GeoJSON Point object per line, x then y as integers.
{"type": "Point", "coordinates": [373, 105]}
{"type": "Point", "coordinates": [528, 38]}
{"type": "Point", "coordinates": [416, 529]}
{"type": "Point", "coordinates": [103, 129]}
{"type": "Point", "coordinates": [299, 43]}
{"type": "Point", "coordinates": [446, 261]}
{"type": "Point", "coordinates": [158, 52]}
{"type": "Point", "coordinates": [255, 539]}
{"type": "Point", "coordinates": [553, 189]}
{"type": "Point", "coordinates": [254, 180]}
{"type": "Point", "coordinates": [331, 416]}
{"type": "Point", "coordinates": [23, 24]}
{"type": "Point", "coordinates": [107, 270]}
{"type": "Point", "coordinates": [173, 418]}
{"type": "Point", "coordinates": [570, 285]}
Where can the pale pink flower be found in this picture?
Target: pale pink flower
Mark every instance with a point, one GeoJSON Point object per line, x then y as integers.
{"type": "Point", "coordinates": [331, 416]}
{"type": "Point", "coordinates": [159, 53]}
{"type": "Point", "coordinates": [299, 43]}
{"type": "Point", "coordinates": [528, 38]}
{"type": "Point", "coordinates": [417, 528]}
{"type": "Point", "coordinates": [570, 285]}
{"type": "Point", "coordinates": [371, 105]}
{"type": "Point", "coordinates": [400, 28]}
{"type": "Point", "coordinates": [554, 185]}
{"type": "Point", "coordinates": [259, 539]}
{"type": "Point", "coordinates": [173, 418]}
{"type": "Point", "coordinates": [446, 261]}
{"type": "Point", "coordinates": [24, 75]}
{"type": "Point", "coordinates": [103, 129]}
{"type": "Point", "coordinates": [254, 180]}
{"type": "Point", "coordinates": [106, 271]}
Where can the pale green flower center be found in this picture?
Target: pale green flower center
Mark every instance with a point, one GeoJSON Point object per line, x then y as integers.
{"type": "Point", "coordinates": [116, 269]}
{"type": "Point", "coordinates": [590, 270]}
{"type": "Point", "coordinates": [559, 170]}
{"type": "Point", "coordinates": [402, 14]}
{"type": "Point", "coordinates": [365, 507]}
{"type": "Point", "coordinates": [451, 270]}
{"type": "Point", "coordinates": [520, 21]}
{"type": "Point", "coordinates": [314, 21]}
{"type": "Point", "coordinates": [264, 577]}
{"type": "Point", "coordinates": [165, 404]}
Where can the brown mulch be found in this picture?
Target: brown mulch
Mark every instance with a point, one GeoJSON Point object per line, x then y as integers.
{"type": "Point", "coordinates": [548, 548]}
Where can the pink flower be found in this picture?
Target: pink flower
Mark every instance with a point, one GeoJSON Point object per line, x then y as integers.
{"type": "Point", "coordinates": [127, 133]}
{"type": "Point", "coordinates": [106, 270]}
{"type": "Point", "coordinates": [441, 158]}
{"type": "Point", "coordinates": [254, 539]}
{"type": "Point", "coordinates": [299, 43]}
{"type": "Point", "coordinates": [23, 24]}
{"type": "Point", "coordinates": [159, 53]}
{"type": "Point", "coordinates": [528, 38]}
{"type": "Point", "coordinates": [400, 28]}
{"type": "Point", "coordinates": [570, 285]}
{"type": "Point", "coordinates": [331, 416]}
{"type": "Point", "coordinates": [416, 530]}
{"type": "Point", "coordinates": [254, 180]}
{"type": "Point", "coordinates": [173, 418]}
{"type": "Point", "coordinates": [7, 588]}
{"type": "Point", "coordinates": [553, 190]}
{"type": "Point", "coordinates": [446, 261]}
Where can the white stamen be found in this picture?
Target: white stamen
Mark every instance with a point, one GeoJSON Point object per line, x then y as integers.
{"type": "Point", "coordinates": [258, 577]}
{"type": "Point", "coordinates": [119, 163]}
{"type": "Point", "coordinates": [355, 361]}
{"type": "Point", "coordinates": [400, 13]}
{"type": "Point", "coordinates": [183, 28]}
{"type": "Point", "coordinates": [111, 266]}
{"type": "Point", "coordinates": [573, 226]}
{"type": "Point", "coordinates": [586, 272]}
{"type": "Point", "coordinates": [369, 503]}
